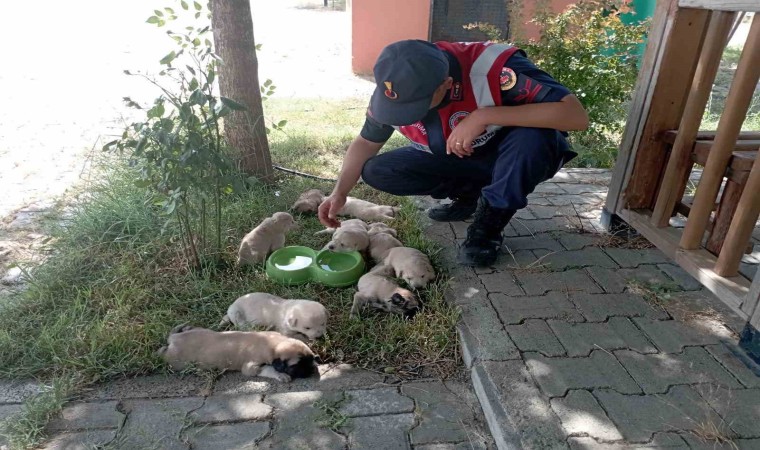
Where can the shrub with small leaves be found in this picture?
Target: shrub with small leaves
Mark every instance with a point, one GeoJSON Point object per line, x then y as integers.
{"type": "Point", "coordinates": [179, 148]}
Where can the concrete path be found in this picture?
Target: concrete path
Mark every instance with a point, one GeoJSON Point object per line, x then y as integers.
{"type": "Point", "coordinates": [576, 340]}
{"type": "Point", "coordinates": [344, 409]}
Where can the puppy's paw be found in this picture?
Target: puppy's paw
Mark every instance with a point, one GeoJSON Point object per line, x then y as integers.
{"type": "Point", "coordinates": [281, 377]}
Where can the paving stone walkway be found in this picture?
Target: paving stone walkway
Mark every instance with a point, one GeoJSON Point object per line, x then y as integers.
{"type": "Point", "coordinates": [577, 340]}
{"type": "Point", "coordinates": [344, 409]}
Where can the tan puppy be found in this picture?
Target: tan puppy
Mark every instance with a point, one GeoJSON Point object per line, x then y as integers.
{"type": "Point", "coordinates": [379, 227]}
{"type": "Point", "coordinates": [293, 318]}
{"type": "Point", "coordinates": [380, 244]}
{"type": "Point", "coordinates": [308, 201]}
{"type": "Point", "coordinates": [378, 291]}
{"type": "Point", "coordinates": [265, 353]}
{"type": "Point", "coordinates": [265, 238]}
{"type": "Point", "coordinates": [351, 236]}
{"type": "Point", "coordinates": [362, 209]}
{"type": "Point", "coordinates": [411, 265]}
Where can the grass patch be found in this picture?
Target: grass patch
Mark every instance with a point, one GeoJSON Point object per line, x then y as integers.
{"type": "Point", "coordinates": [330, 416]}
{"type": "Point", "coordinates": [655, 293]}
{"type": "Point", "coordinates": [115, 282]}
{"type": "Point", "coordinates": [26, 429]}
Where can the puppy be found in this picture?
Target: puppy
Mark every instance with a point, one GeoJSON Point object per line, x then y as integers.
{"type": "Point", "coordinates": [378, 291]}
{"type": "Point", "coordinates": [265, 353]}
{"type": "Point", "coordinates": [351, 236]}
{"type": "Point", "coordinates": [380, 227]}
{"type": "Point", "coordinates": [308, 201]}
{"type": "Point", "coordinates": [411, 265]}
{"type": "Point", "coordinates": [380, 244]}
{"type": "Point", "coordinates": [362, 209]}
{"type": "Point", "coordinates": [265, 238]}
{"type": "Point", "coordinates": [293, 318]}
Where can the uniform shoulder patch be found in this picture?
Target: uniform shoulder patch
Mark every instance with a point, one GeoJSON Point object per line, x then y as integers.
{"type": "Point", "coordinates": [507, 79]}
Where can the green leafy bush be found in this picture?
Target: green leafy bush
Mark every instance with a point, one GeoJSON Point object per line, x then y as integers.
{"type": "Point", "coordinates": [593, 53]}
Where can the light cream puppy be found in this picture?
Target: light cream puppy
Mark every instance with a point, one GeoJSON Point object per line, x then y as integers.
{"type": "Point", "coordinates": [411, 265]}
{"type": "Point", "coordinates": [265, 353]}
{"type": "Point", "coordinates": [308, 201]}
{"type": "Point", "coordinates": [380, 244]}
{"type": "Point", "coordinates": [351, 236]}
{"type": "Point", "coordinates": [378, 291]}
{"type": "Point", "coordinates": [265, 238]}
{"type": "Point", "coordinates": [293, 318]}
{"type": "Point", "coordinates": [362, 209]}
{"type": "Point", "coordinates": [380, 227]}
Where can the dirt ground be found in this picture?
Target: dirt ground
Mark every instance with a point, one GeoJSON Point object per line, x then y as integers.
{"type": "Point", "coordinates": [61, 95]}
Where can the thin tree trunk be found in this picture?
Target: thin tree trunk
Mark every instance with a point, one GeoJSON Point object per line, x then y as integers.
{"type": "Point", "coordinates": [239, 80]}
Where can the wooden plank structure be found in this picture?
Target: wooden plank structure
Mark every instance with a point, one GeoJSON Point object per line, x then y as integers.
{"type": "Point", "coordinates": [662, 144]}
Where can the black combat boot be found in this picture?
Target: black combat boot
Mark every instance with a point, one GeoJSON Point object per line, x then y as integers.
{"type": "Point", "coordinates": [484, 237]}
{"type": "Point", "coordinates": [461, 208]}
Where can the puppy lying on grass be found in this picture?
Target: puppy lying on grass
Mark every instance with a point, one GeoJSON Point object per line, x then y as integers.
{"type": "Point", "coordinates": [378, 291]}
{"type": "Point", "coordinates": [310, 200]}
{"type": "Point", "coordinates": [265, 238]}
{"type": "Point", "coordinates": [380, 244]}
{"type": "Point", "coordinates": [351, 236]}
{"type": "Point", "coordinates": [300, 319]}
{"type": "Point", "coordinates": [380, 227]}
{"type": "Point", "coordinates": [411, 265]}
{"type": "Point", "coordinates": [264, 353]}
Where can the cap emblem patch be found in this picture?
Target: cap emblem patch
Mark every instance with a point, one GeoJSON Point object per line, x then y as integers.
{"type": "Point", "coordinates": [389, 92]}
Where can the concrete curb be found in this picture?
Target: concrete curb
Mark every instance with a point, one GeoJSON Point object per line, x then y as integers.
{"type": "Point", "coordinates": [504, 435]}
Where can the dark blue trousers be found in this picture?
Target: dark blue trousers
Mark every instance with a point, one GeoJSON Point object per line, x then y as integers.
{"type": "Point", "coordinates": [504, 171]}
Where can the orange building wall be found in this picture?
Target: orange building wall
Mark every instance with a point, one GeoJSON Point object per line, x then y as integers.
{"type": "Point", "coordinates": [377, 23]}
{"type": "Point", "coordinates": [530, 30]}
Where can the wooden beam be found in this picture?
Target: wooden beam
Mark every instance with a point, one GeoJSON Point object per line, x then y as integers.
{"type": "Point", "coordinates": [737, 104]}
{"type": "Point", "coordinates": [742, 225]}
{"type": "Point", "coordinates": [722, 5]}
{"type": "Point", "coordinates": [751, 304]}
{"type": "Point", "coordinates": [679, 163]}
{"type": "Point", "coordinates": [670, 136]}
{"type": "Point", "coordinates": [729, 202]}
{"type": "Point", "coordinates": [659, 29]}
{"type": "Point", "coordinates": [699, 263]}
{"type": "Point", "coordinates": [672, 85]}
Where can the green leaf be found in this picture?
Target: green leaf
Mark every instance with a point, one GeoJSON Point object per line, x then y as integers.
{"type": "Point", "coordinates": [196, 42]}
{"type": "Point", "coordinates": [207, 42]}
{"type": "Point", "coordinates": [193, 85]}
{"type": "Point", "coordinates": [184, 5]}
{"type": "Point", "coordinates": [156, 111]}
{"type": "Point", "coordinates": [153, 19]}
{"type": "Point", "coordinates": [168, 58]}
{"type": "Point", "coordinates": [267, 83]}
{"type": "Point", "coordinates": [158, 13]}
{"type": "Point", "coordinates": [211, 76]}
{"type": "Point", "coordinates": [198, 6]}
{"type": "Point", "coordinates": [198, 97]}
{"type": "Point", "coordinates": [169, 207]}
{"type": "Point", "coordinates": [232, 104]}
{"type": "Point", "coordinates": [281, 123]}
{"type": "Point", "coordinates": [258, 47]}
{"type": "Point", "coordinates": [169, 10]}
{"type": "Point", "coordinates": [197, 15]}
{"type": "Point", "coordinates": [222, 110]}
{"type": "Point", "coordinates": [142, 183]}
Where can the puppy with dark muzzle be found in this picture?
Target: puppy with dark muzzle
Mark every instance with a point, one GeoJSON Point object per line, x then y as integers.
{"type": "Point", "coordinates": [254, 353]}
{"type": "Point", "coordinates": [379, 292]}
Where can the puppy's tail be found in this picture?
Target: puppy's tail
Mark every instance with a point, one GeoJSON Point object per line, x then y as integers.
{"type": "Point", "coordinates": [161, 351]}
{"type": "Point", "coordinates": [225, 321]}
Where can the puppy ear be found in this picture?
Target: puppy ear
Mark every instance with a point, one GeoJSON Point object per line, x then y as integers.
{"type": "Point", "coordinates": [397, 299]}
{"type": "Point", "coordinates": [292, 321]}
{"type": "Point", "coordinates": [317, 359]}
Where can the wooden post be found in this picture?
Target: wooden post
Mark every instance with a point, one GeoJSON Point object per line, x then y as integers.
{"type": "Point", "coordinates": [740, 232]}
{"type": "Point", "coordinates": [729, 202]}
{"type": "Point", "coordinates": [673, 80]}
{"type": "Point", "coordinates": [751, 304]}
{"type": "Point", "coordinates": [737, 104]}
{"type": "Point", "coordinates": [680, 163]}
{"type": "Point", "coordinates": [642, 97]}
